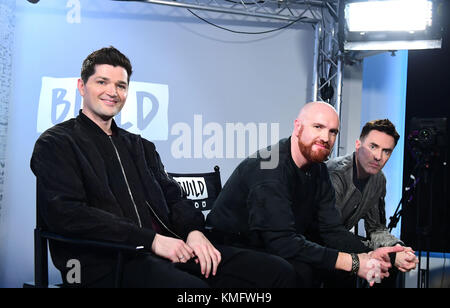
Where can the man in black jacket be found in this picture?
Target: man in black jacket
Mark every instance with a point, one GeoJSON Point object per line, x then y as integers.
{"type": "Point", "coordinates": [101, 182]}
{"type": "Point", "coordinates": [289, 210]}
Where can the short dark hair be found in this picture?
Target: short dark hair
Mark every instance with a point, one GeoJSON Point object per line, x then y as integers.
{"type": "Point", "coordinates": [384, 126]}
{"type": "Point", "coordinates": [106, 55]}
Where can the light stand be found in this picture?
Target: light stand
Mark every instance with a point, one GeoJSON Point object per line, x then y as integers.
{"type": "Point", "coordinates": [407, 195]}
{"type": "Point", "coordinates": [423, 231]}
{"type": "Point", "coordinates": [427, 142]}
{"type": "Point", "coordinates": [424, 222]}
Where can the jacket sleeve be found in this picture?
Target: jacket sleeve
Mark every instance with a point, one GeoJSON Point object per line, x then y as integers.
{"type": "Point", "coordinates": [375, 225]}
{"type": "Point", "coordinates": [66, 209]}
{"type": "Point", "coordinates": [270, 214]}
{"type": "Point", "coordinates": [183, 216]}
{"type": "Point", "coordinates": [339, 190]}
{"type": "Point", "coordinates": [332, 231]}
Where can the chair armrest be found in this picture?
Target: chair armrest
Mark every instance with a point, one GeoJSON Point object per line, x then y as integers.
{"type": "Point", "coordinates": [92, 243]}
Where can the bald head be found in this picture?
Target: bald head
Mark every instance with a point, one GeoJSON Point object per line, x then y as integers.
{"type": "Point", "coordinates": [314, 134]}
{"type": "Point", "coordinates": [313, 108]}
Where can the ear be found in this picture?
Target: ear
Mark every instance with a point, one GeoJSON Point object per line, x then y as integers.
{"type": "Point", "coordinates": [80, 86]}
{"type": "Point", "coordinates": [357, 144]}
{"type": "Point", "coordinates": [297, 125]}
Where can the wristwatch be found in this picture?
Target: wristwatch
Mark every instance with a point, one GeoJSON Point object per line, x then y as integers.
{"type": "Point", "coordinates": [355, 263]}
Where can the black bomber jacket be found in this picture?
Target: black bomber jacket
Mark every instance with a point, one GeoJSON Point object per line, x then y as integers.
{"type": "Point", "coordinates": [286, 211]}
{"type": "Point", "coordinates": [72, 163]}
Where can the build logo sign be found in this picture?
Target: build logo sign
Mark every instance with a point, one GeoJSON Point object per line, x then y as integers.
{"type": "Point", "coordinates": [145, 112]}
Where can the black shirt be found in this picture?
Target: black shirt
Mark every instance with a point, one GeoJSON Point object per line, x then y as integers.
{"type": "Point", "coordinates": [285, 210]}
{"type": "Point", "coordinates": [359, 183]}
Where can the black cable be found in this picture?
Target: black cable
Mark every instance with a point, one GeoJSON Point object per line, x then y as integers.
{"type": "Point", "coordinates": [244, 32]}
{"type": "Point", "coordinates": [246, 3]}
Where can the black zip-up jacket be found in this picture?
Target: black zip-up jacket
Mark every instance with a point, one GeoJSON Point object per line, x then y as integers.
{"type": "Point", "coordinates": [285, 211]}
{"type": "Point", "coordinates": [79, 170]}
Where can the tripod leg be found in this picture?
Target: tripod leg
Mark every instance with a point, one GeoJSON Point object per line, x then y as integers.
{"type": "Point", "coordinates": [419, 269]}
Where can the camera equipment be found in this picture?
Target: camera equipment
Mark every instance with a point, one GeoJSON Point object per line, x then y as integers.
{"type": "Point", "coordinates": [427, 138]}
{"type": "Point", "coordinates": [427, 142]}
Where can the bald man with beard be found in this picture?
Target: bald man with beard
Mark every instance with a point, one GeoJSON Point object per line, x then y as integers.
{"type": "Point", "coordinates": [289, 210]}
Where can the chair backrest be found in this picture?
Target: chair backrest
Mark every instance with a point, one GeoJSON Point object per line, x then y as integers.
{"type": "Point", "coordinates": [42, 237]}
{"type": "Point", "coordinates": [40, 246]}
{"type": "Point", "coordinates": [201, 188]}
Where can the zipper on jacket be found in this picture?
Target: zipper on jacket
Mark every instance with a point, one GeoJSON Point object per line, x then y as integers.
{"type": "Point", "coordinates": [126, 181]}
{"type": "Point", "coordinates": [160, 221]}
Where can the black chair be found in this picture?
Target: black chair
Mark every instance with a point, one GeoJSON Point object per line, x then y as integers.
{"type": "Point", "coordinates": [42, 237]}
{"type": "Point", "coordinates": [201, 188]}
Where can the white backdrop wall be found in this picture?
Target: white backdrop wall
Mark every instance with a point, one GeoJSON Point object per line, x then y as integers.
{"type": "Point", "coordinates": [188, 78]}
{"type": "Point", "coordinates": [351, 108]}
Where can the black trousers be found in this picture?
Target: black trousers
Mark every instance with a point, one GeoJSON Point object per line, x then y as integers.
{"type": "Point", "coordinates": [309, 277]}
{"type": "Point", "coordinates": [239, 268]}
{"type": "Point", "coordinates": [306, 275]}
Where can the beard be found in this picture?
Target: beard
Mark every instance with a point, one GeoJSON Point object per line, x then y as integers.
{"type": "Point", "coordinates": [314, 156]}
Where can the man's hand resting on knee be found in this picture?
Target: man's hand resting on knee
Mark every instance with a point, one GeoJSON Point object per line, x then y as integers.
{"type": "Point", "coordinates": [208, 256]}
{"type": "Point", "coordinates": [171, 248]}
{"type": "Point", "coordinates": [197, 246]}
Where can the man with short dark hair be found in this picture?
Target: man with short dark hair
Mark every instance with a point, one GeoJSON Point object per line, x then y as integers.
{"type": "Point", "coordinates": [360, 188]}
{"type": "Point", "coordinates": [104, 183]}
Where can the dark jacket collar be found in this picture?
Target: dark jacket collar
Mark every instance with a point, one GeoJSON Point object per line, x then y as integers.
{"type": "Point", "coordinates": [94, 128]}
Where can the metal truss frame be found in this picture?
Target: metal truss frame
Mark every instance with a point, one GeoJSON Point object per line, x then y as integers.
{"type": "Point", "coordinates": [284, 10]}
{"type": "Point", "coordinates": [322, 15]}
{"type": "Point", "coordinates": [327, 70]}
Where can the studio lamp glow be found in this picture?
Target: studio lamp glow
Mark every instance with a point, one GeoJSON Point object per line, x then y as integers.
{"type": "Point", "coordinates": [389, 24]}
{"type": "Point", "coordinates": [396, 15]}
